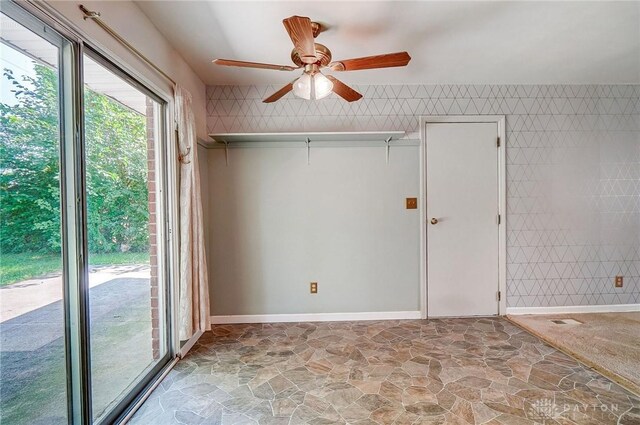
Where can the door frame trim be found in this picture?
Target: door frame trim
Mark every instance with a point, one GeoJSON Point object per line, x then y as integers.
{"type": "Point", "coordinates": [502, 210]}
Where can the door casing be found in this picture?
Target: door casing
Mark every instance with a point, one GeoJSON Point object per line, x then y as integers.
{"type": "Point", "coordinates": [502, 234]}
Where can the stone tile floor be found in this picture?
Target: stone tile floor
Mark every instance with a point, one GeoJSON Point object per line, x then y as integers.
{"type": "Point", "coordinates": [450, 371]}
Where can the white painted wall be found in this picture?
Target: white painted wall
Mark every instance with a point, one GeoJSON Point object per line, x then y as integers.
{"type": "Point", "coordinates": [133, 25]}
{"type": "Point", "coordinates": [277, 224]}
{"type": "Point", "coordinates": [573, 171]}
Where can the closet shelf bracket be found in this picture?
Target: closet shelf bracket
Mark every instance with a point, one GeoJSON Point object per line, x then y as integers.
{"type": "Point", "coordinates": [387, 144]}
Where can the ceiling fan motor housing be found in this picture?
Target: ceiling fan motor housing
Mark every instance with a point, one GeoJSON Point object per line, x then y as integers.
{"type": "Point", "coordinates": [323, 54]}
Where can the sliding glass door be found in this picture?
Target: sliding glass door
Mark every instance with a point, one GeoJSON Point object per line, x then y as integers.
{"type": "Point", "coordinates": [33, 368]}
{"type": "Point", "coordinates": [127, 325]}
{"type": "Point", "coordinates": [84, 299]}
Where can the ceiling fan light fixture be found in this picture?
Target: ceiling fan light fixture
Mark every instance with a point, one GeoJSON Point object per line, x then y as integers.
{"type": "Point", "coordinates": [323, 86]}
{"type": "Point", "coordinates": [312, 57]}
{"type": "Point", "coordinates": [302, 87]}
{"type": "Point", "coordinates": [312, 86]}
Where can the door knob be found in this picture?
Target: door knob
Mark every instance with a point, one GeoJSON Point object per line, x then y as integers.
{"type": "Point", "coordinates": [434, 220]}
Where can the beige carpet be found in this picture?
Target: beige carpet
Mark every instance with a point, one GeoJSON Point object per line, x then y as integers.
{"type": "Point", "coordinates": [607, 342]}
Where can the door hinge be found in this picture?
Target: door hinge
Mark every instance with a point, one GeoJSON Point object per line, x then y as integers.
{"type": "Point", "coordinates": [499, 218]}
{"type": "Point", "coordinates": [498, 142]}
{"type": "Point", "coordinates": [499, 296]}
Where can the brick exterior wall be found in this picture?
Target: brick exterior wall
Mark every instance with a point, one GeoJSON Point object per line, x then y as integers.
{"type": "Point", "coordinates": [153, 232]}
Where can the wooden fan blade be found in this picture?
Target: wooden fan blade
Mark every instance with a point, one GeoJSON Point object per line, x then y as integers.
{"type": "Point", "coordinates": [343, 90]}
{"type": "Point", "coordinates": [301, 33]}
{"type": "Point", "coordinates": [370, 62]}
{"type": "Point", "coordinates": [243, 64]}
{"type": "Point", "coordinates": [277, 95]}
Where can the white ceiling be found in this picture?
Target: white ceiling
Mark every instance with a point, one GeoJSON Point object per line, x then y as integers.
{"type": "Point", "coordinates": [450, 42]}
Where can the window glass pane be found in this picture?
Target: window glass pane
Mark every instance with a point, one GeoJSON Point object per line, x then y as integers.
{"type": "Point", "coordinates": [33, 386]}
{"type": "Point", "coordinates": [127, 325]}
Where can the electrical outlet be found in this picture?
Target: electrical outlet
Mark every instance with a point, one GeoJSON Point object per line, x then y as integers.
{"type": "Point", "coordinates": [619, 281]}
{"type": "Point", "coordinates": [412, 203]}
{"type": "Point", "coordinates": [313, 287]}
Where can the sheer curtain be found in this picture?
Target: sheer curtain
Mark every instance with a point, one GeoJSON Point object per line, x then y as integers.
{"type": "Point", "coordinates": [194, 290]}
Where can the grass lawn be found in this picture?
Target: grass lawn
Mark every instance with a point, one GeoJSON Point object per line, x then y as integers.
{"type": "Point", "coordinates": [17, 267]}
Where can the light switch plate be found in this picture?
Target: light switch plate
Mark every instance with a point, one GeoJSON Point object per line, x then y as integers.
{"type": "Point", "coordinates": [412, 203]}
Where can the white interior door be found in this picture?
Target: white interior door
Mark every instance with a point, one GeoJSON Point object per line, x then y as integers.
{"type": "Point", "coordinates": [462, 219]}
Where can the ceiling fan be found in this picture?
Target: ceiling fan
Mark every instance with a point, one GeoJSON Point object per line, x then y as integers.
{"type": "Point", "coordinates": [312, 57]}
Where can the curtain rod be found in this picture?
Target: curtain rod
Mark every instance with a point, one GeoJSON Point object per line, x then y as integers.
{"type": "Point", "coordinates": [95, 16]}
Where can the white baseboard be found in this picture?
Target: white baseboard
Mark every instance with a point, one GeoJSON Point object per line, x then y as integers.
{"type": "Point", "coordinates": [573, 309]}
{"type": "Point", "coordinates": [315, 317]}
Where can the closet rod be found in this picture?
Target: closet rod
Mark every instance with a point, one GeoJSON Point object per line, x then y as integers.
{"type": "Point", "coordinates": [95, 17]}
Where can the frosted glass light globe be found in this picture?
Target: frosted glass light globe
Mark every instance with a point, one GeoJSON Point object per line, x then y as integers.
{"type": "Point", "coordinates": [302, 86]}
{"type": "Point", "coordinates": [322, 85]}
{"type": "Point", "coordinates": [312, 86]}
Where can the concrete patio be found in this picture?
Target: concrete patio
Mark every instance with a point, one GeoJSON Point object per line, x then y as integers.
{"type": "Point", "coordinates": [32, 361]}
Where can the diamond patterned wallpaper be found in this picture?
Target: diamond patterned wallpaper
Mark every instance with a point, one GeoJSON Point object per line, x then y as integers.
{"type": "Point", "coordinates": [573, 171]}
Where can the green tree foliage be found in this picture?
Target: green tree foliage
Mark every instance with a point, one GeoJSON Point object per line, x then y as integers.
{"type": "Point", "coordinates": [116, 175]}
{"type": "Point", "coordinates": [116, 170]}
